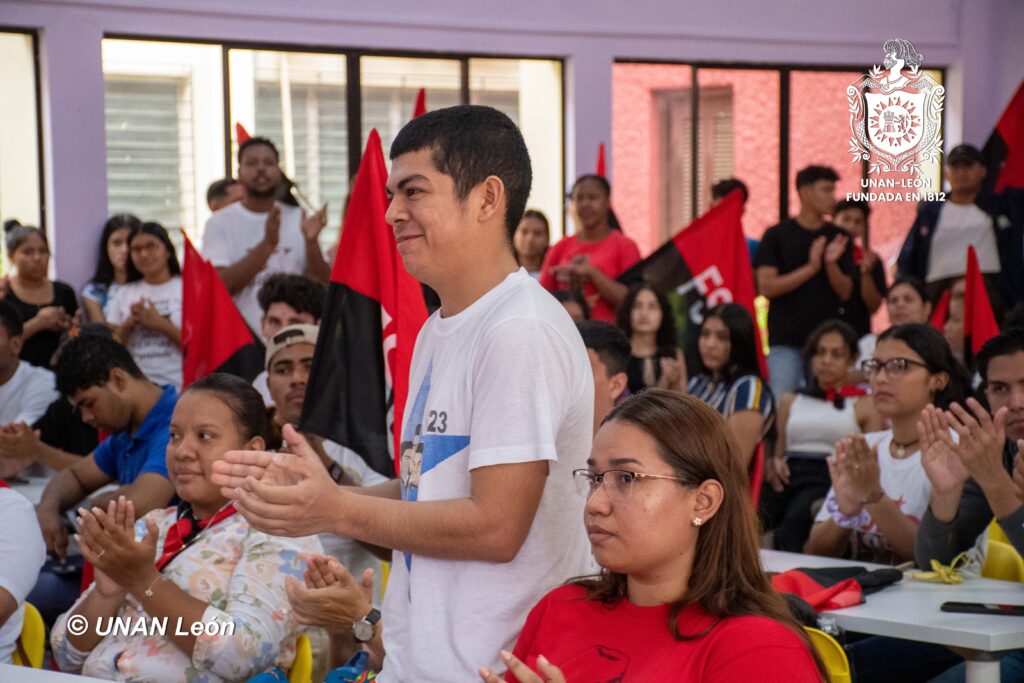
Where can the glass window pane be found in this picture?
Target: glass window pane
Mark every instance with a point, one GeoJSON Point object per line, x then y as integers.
{"type": "Point", "coordinates": [819, 129]}
{"type": "Point", "coordinates": [298, 100]}
{"type": "Point", "coordinates": [19, 133]}
{"type": "Point", "coordinates": [739, 137]}
{"type": "Point", "coordinates": [164, 126]}
{"type": "Point", "coordinates": [390, 86]}
{"type": "Point", "coordinates": [530, 92]}
{"type": "Point", "coordinates": [650, 151]}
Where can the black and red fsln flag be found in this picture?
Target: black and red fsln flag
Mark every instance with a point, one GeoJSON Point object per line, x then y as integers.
{"type": "Point", "coordinates": [360, 376]}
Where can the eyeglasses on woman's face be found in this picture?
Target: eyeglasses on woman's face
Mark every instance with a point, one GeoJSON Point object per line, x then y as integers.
{"type": "Point", "coordinates": [894, 367]}
{"type": "Point", "coordinates": [618, 484]}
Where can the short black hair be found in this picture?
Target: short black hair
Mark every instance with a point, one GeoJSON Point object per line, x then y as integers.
{"type": "Point", "coordinates": [11, 319]}
{"type": "Point", "coordinates": [1006, 343]}
{"type": "Point", "coordinates": [469, 143]}
{"type": "Point", "coordinates": [564, 296]}
{"type": "Point", "coordinates": [219, 188]}
{"type": "Point", "coordinates": [846, 204]}
{"type": "Point", "coordinates": [723, 187]}
{"type": "Point", "coordinates": [812, 174]}
{"type": "Point", "coordinates": [241, 399]}
{"type": "Point", "coordinates": [917, 284]}
{"type": "Point", "coordinates": [252, 142]}
{"type": "Point", "coordinates": [86, 361]}
{"type": "Point", "coordinates": [608, 342]}
{"type": "Point", "coordinates": [298, 291]}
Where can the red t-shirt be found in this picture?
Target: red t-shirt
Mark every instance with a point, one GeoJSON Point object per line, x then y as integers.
{"type": "Point", "coordinates": [590, 641]}
{"type": "Point", "coordinates": [613, 256]}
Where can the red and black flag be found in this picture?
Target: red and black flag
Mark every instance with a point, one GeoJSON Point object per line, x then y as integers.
{"type": "Point", "coordinates": [360, 375]}
{"type": "Point", "coordinates": [1004, 150]}
{"type": "Point", "coordinates": [602, 166]}
{"type": "Point", "coordinates": [979, 320]}
{"type": "Point", "coordinates": [214, 336]}
{"type": "Point", "coordinates": [705, 264]}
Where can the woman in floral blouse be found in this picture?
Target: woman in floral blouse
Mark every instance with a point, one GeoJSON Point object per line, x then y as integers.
{"type": "Point", "coordinates": [217, 586]}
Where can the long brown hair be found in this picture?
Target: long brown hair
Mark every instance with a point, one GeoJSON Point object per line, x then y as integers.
{"type": "Point", "coordinates": [727, 579]}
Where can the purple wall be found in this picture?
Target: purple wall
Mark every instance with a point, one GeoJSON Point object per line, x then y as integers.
{"type": "Point", "coordinates": [979, 41]}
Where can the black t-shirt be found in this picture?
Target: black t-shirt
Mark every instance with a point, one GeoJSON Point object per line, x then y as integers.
{"type": "Point", "coordinates": [61, 427]}
{"type": "Point", "coordinates": [793, 316]}
{"type": "Point", "coordinates": [855, 311]}
{"type": "Point", "coordinates": [40, 348]}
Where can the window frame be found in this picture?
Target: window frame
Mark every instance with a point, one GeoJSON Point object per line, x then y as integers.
{"type": "Point", "coordinates": [353, 85]}
{"type": "Point", "coordinates": [37, 82]}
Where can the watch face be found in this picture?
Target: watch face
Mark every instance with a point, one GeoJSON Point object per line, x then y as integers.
{"type": "Point", "coordinates": [362, 630]}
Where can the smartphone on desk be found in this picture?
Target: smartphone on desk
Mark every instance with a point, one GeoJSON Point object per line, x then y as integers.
{"type": "Point", "coordinates": [983, 608]}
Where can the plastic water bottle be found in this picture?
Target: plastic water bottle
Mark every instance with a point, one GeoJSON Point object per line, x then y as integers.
{"type": "Point", "coordinates": [827, 624]}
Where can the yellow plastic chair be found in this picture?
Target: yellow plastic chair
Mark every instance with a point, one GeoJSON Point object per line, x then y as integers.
{"type": "Point", "coordinates": [302, 667]}
{"type": "Point", "coordinates": [996, 533]}
{"type": "Point", "coordinates": [832, 654]}
{"type": "Point", "coordinates": [1002, 562]}
{"type": "Point", "coordinates": [385, 574]}
{"type": "Point", "coordinates": [32, 641]}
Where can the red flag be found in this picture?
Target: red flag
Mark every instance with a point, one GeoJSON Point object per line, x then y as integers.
{"type": "Point", "coordinates": [979, 320]}
{"type": "Point", "coordinates": [941, 312]}
{"type": "Point", "coordinates": [421, 104]}
{"type": "Point", "coordinates": [1005, 147]}
{"type": "Point", "coordinates": [214, 336]}
{"type": "Point", "coordinates": [241, 134]}
{"type": "Point", "coordinates": [360, 373]}
{"type": "Point", "coordinates": [602, 168]}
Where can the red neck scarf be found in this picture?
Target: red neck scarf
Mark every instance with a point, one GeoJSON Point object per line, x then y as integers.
{"type": "Point", "coordinates": [845, 391]}
{"type": "Point", "coordinates": [186, 530]}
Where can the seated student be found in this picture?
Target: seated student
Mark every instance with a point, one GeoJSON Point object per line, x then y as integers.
{"type": "Point", "coordinates": [879, 488]}
{"type": "Point", "coordinates": [608, 349]}
{"type": "Point", "coordinates": [681, 595]}
{"type": "Point", "coordinates": [47, 306]}
{"type": "Point", "coordinates": [590, 260]}
{"type": "Point", "coordinates": [972, 477]}
{"type": "Point", "coordinates": [103, 382]}
{"type": "Point", "coordinates": [655, 359]}
{"type": "Point", "coordinates": [147, 310]}
{"type": "Point", "coordinates": [59, 437]}
{"type": "Point", "coordinates": [210, 566]}
{"type": "Point", "coordinates": [22, 553]}
{"type": "Point", "coordinates": [811, 422]}
{"type": "Point", "coordinates": [907, 302]}
{"type": "Point", "coordinates": [111, 267]}
{"type": "Point", "coordinates": [25, 390]}
{"type": "Point", "coordinates": [224, 192]}
{"type": "Point", "coordinates": [574, 304]}
{"type": "Point", "coordinates": [285, 300]}
{"type": "Point", "coordinates": [531, 241]}
{"type": "Point", "coordinates": [729, 378]}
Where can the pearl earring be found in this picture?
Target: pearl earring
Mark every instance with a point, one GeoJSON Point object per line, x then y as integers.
{"type": "Point", "coordinates": [697, 521]}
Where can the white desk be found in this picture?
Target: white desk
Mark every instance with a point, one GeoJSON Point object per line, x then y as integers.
{"type": "Point", "coordinates": [23, 674]}
{"type": "Point", "coordinates": [32, 488]}
{"type": "Point", "coordinates": [910, 610]}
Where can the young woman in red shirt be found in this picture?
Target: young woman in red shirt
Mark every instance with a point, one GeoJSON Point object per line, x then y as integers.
{"type": "Point", "coordinates": [682, 595]}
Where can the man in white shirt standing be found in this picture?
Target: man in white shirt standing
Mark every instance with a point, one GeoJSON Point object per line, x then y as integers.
{"type": "Point", "coordinates": [257, 236]}
{"type": "Point", "coordinates": [26, 391]}
{"type": "Point", "coordinates": [483, 520]}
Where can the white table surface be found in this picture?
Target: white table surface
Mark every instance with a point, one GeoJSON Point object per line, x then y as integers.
{"type": "Point", "coordinates": [23, 674]}
{"type": "Point", "coordinates": [31, 489]}
{"type": "Point", "coordinates": [910, 609]}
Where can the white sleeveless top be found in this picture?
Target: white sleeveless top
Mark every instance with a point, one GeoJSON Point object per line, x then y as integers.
{"type": "Point", "coordinates": [815, 425]}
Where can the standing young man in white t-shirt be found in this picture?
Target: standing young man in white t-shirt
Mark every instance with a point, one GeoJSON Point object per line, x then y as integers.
{"type": "Point", "coordinates": [500, 410]}
{"type": "Point", "coordinates": [252, 238]}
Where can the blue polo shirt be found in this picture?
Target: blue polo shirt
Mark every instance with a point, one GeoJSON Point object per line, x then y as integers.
{"type": "Point", "coordinates": [124, 456]}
